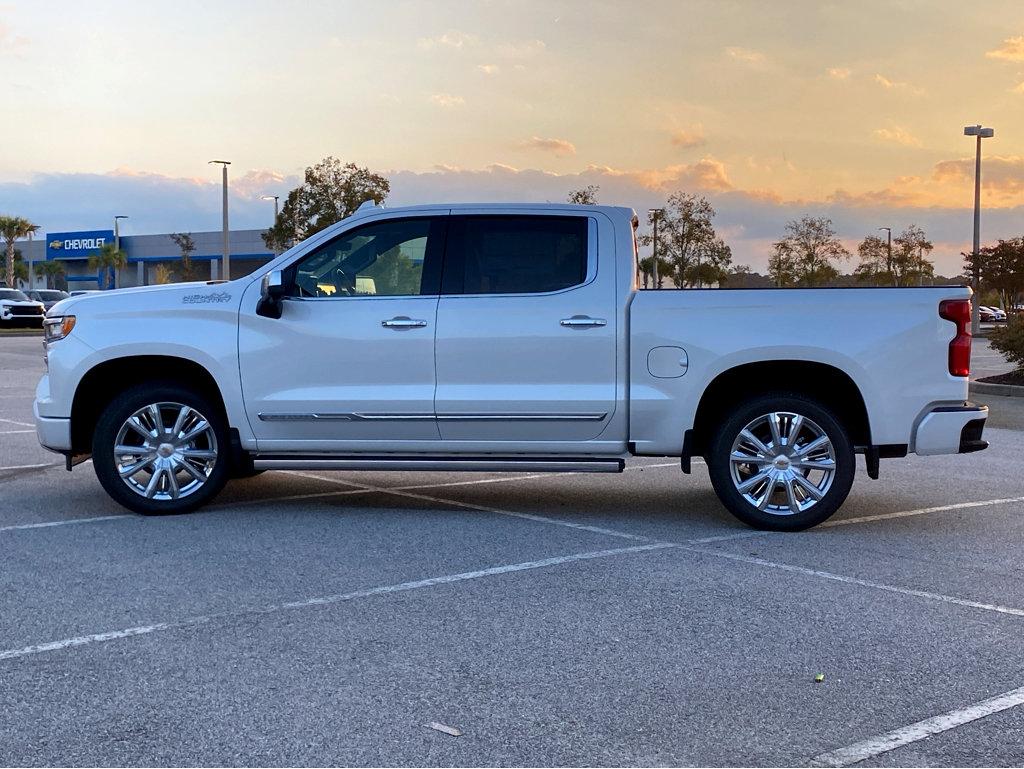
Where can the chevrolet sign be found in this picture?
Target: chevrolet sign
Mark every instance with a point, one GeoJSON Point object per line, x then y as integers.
{"type": "Point", "coordinates": [76, 245]}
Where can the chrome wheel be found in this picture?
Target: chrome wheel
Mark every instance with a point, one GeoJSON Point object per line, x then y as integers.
{"type": "Point", "coordinates": [165, 451]}
{"type": "Point", "coordinates": [782, 463]}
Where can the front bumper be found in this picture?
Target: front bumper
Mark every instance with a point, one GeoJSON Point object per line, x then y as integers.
{"type": "Point", "coordinates": [54, 433]}
{"type": "Point", "coordinates": [951, 430]}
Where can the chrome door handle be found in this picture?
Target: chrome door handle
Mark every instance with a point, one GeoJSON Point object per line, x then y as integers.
{"type": "Point", "coordinates": [583, 321]}
{"type": "Point", "coordinates": [403, 322]}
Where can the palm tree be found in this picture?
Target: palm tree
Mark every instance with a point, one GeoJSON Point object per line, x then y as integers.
{"type": "Point", "coordinates": [14, 228]}
{"type": "Point", "coordinates": [110, 257]}
{"type": "Point", "coordinates": [52, 272]}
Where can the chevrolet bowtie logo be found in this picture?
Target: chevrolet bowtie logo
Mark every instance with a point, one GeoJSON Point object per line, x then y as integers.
{"type": "Point", "coordinates": [56, 244]}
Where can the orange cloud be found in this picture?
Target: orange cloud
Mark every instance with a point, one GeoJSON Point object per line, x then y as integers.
{"type": "Point", "coordinates": [450, 39]}
{"type": "Point", "coordinates": [839, 73]}
{"type": "Point", "coordinates": [706, 175]}
{"type": "Point", "coordinates": [692, 137]}
{"type": "Point", "coordinates": [745, 55]}
{"type": "Point", "coordinates": [950, 185]}
{"type": "Point", "coordinates": [1011, 49]}
{"type": "Point", "coordinates": [897, 135]}
{"type": "Point", "coordinates": [447, 100]}
{"type": "Point", "coordinates": [557, 146]}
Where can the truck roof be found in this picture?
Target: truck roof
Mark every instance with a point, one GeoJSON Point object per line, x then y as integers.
{"type": "Point", "coordinates": [617, 210]}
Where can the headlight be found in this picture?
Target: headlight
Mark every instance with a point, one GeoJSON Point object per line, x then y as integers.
{"type": "Point", "coordinates": [55, 329]}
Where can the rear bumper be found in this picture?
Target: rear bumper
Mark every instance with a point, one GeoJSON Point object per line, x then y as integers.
{"type": "Point", "coordinates": [951, 430]}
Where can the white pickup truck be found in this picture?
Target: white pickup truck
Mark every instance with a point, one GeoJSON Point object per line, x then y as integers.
{"type": "Point", "coordinates": [501, 338]}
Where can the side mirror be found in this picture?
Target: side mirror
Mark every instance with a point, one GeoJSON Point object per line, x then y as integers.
{"type": "Point", "coordinates": [272, 291]}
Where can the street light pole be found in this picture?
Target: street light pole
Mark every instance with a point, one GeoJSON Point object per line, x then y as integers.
{"type": "Point", "coordinates": [117, 240]}
{"type": "Point", "coordinates": [655, 213]}
{"type": "Point", "coordinates": [981, 133]}
{"type": "Point", "coordinates": [31, 264]}
{"type": "Point", "coordinates": [226, 260]}
{"type": "Point", "coordinates": [274, 198]}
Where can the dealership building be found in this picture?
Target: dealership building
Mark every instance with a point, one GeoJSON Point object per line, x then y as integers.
{"type": "Point", "coordinates": [144, 253]}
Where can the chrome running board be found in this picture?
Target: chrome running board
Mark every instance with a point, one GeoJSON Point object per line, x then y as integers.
{"type": "Point", "coordinates": [447, 464]}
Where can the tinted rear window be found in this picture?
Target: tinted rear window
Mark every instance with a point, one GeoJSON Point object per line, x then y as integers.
{"type": "Point", "coordinates": [515, 254]}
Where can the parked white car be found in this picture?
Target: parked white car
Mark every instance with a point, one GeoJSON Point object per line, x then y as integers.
{"type": "Point", "coordinates": [17, 309]}
{"type": "Point", "coordinates": [502, 338]}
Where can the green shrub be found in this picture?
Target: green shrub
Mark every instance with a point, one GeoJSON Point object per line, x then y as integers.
{"type": "Point", "coordinates": [1009, 340]}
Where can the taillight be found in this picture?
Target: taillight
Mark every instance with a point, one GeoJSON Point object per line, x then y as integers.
{"type": "Point", "coordinates": [959, 312]}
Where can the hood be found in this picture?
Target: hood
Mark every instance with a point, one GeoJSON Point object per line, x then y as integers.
{"type": "Point", "coordinates": [199, 292]}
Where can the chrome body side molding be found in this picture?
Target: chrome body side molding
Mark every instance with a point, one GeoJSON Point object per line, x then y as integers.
{"type": "Point", "coordinates": [457, 417]}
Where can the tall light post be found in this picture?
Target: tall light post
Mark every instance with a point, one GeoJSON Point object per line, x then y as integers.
{"type": "Point", "coordinates": [117, 241]}
{"type": "Point", "coordinates": [888, 264]}
{"type": "Point", "coordinates": [31, 264]}
{"type": "Point", "coordinates": [274, 198]}
{"type": "Point", "coordinates": [226, 259]}
{"type": "Point", "coordinates": [117, 231]}
{"type": "Point", "coordinates": [655, 214]}
{"type": "Point", "coordinates": [981, 133]}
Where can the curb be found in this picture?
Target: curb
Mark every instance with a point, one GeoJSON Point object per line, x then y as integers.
{"type": "Point", "coordinates": [988, 388]}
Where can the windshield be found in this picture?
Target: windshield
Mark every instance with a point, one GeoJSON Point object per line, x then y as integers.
{"type": "Point", "coordinates": [12, 294]}
{"type": "Point", "coordinates": [51, 296]}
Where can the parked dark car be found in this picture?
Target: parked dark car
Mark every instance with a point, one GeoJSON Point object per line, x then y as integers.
{"type": "Point", "coordinates": [48, 296]}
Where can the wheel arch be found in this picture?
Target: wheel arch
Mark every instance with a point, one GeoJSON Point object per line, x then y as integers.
{"type": "Point", "coordinates": [824, 383]}
{"type": "Point", "coordinates": [101, 383]}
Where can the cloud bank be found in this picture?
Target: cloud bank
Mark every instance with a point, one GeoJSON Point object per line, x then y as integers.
{"type": "Point", "coordinates": [750, 220]}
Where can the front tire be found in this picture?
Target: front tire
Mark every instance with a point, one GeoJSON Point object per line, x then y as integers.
{"type": "Point", "coordinates": [161, 449]}
{"type": "Point", "coordinates": [782, 463]}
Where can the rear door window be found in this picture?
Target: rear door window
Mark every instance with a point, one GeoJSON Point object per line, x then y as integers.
{"type": "Point", "coordinates": [515, 254]}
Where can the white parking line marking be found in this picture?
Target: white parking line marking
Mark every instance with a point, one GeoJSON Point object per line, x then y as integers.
{"type": "Point", "coordinates": [68, 522]}
{"type": "Point", "coordinates": [906, 735]}
{"type": "Point", "coordinates": [20, 424]}
{"type": "Point", "coordinates": [855, 581]}
{"type": "Point", "coordinates": [30, 467]}
{"type": "Point", "coordinates": [288, 498]}
{"type": "Point", "coordinates": [83, 640]}
{"type": "Point", "coordinates": [16, 432]}
{"type": "Point", "coordinates": [482, 508]}
{"type": "Point", "coordinates": [921, 511]}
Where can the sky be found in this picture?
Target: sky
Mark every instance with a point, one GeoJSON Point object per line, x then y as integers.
{"type": "Point", "coordinates": [851, 110]}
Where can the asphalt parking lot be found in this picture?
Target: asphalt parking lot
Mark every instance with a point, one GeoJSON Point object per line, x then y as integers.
{"type": "Point", "coordinates": [327, 618]}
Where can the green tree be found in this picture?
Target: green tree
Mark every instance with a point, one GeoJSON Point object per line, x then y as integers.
{"type": "Point", "coordinates": [1009, 340]}
{"type": "Point", "coordinates": [1000, 268]}
{"type": "Point", "coordinates": [109, 259]}
{"type": "Point", "coordinates": [329, 192]}
{"type": "Point", "coordinates": [394, 273]}
{"type": "Point", "coordinates": [20, 270]}
{"type": "Point", "coordinates": [905, 266]}
{"type": "Point", "coordinates": [187, 245]}
{"type": "Point", "coordinates": [688, 241]}
{"type": "Point", "coordinates": [805, 256]}
{"type": "Point", "coordinates": [52, 272]}
{"type": "Point", "coordinates": [585, 196]}
{"type": "Point", "coordinates": [14, 228]}
{"type": "Point", "coordinates": [665, 271]}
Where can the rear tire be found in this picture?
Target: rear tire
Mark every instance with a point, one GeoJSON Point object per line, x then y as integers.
{"type": "Point", "coordinates": [782, 462]}
{"type": "Point", "coordinates": [161, 449]}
